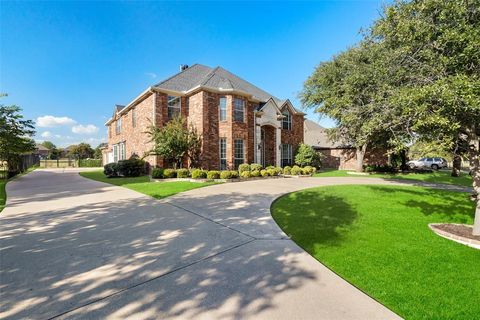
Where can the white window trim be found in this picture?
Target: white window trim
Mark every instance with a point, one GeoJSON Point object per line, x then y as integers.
{"type": "Point", "coordinates": [235, 151]}
{"type": "Point", "coordinates": [290, 122]}
{"type": "Point", "coordinates": [225, 153]}
{"type": "Point", "coordinates": [234, 109]}
{"type": "Point", "coordinates": [220, 108]}
{"type": "Point", "coordinates": [169, 107]}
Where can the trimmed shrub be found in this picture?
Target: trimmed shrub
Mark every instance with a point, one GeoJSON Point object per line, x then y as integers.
{"type": "Point", "coordinates": [132, 167]}
{"type": "Point", "coordinates": [287, 170]}
{"type": "Point", "coordinates": [272, 172]}
{"type": "Point", "coordinates": [296, 171]}
{"type": "Point", "coordinates": [110, 170]}
{"type": "Point", "coordinates": [170, 173]}
{"type": "Point", "coordinates": [255, 167]}
{"type": "Point", "coordinates": [243, 167]}
{"type": "Point", "coordinates": [235, 174]}
{"type": "Point", "coordinates": [213, 174]}
{"type": "Point", "coordinates": [270, 167]}
{"type": "Point", "coordinates": [226, 174]}
{"type": "Point", "coordinates": [182, 173]}
{"type": "Point", "coordinates": [245, 174]}
{"type": "Point", "coordinates": [90, 163]}
{"type": "Point", "coordinates": [199, 174]}
{"type": "Point", "coordinates": [157, 173]}
{"type": "Point", "coordinates": [308, 170]}
{"type": "Point", "coordinates": [264, 173]}
{"type": "Point", "coordinates": [307, 156]}
{"type": "Point", "coordinates": [255, 173]}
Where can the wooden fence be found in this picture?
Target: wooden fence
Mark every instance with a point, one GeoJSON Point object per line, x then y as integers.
{"type": "Point", "coordinates": [59, 163]}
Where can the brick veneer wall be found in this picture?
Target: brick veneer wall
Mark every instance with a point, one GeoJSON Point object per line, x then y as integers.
{"type": "Point", "coordinates": [201, 110]}
{"type": "Point", "coordinates": [270, 145]}
{"type": "Point", "coordinates": [345, 159]}
{"type": "Point", "coordinates": [135, 138]}
{"type": "Point", "coordinates": [295, 135]}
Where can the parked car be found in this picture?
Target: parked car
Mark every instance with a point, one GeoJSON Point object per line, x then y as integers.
{"type": "Point", "coordinates": [429, 163]}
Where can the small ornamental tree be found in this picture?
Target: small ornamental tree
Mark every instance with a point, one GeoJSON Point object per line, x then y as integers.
{"type": "Point", "coordinates": [175, 141]}
{"type": "Point", "coordinates": [307, 156]}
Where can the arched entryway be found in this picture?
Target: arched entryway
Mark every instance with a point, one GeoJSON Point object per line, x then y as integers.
{"type": "Point", "coordinates": [267, 145]}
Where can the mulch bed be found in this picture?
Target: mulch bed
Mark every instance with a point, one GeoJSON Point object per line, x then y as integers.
{"type": "Point", "coordinates": [458, 230]}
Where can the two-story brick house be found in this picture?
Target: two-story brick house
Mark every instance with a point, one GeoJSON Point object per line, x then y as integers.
{"type": "Point", "coordinates": [238, 122]}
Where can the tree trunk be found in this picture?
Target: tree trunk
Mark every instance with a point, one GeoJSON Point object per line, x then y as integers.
{"type": "Point", "coordinates": [403, 157]}
{"type": "Point", "coordinates": [474, 153]}
{"type": "Point", "coordinates": [456, 165]}
{"type": "Point", "coordinates": [360, 153]}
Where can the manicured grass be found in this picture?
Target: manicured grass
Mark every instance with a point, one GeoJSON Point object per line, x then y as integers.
{"type": "Point", "coordinates": [442, 176]}
{"type": "Point", "coordinates": [377, 238]}
{"type": "Point", "coordinates": [142, 184]}
{"type": "Point", "coordinates": [3, 194]}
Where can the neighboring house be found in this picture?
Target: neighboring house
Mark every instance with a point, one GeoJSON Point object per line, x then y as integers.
{"type": "Point", "coordinates": [41, 151]}
{"type": "Point", "coordinates": [239, 122]}
{"type": "Point", "coordinates": [336, 154]}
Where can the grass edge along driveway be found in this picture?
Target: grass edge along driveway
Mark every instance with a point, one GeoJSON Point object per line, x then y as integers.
{"type": "Point", "coordinates": [377, 238]}
{"type": "Point", "coordinates": [142, 184]}
{"type": "Point", "coordinates": [442, 176]}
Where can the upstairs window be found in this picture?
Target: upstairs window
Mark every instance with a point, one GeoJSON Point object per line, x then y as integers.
{"type": "Point", "coordinates": [118, 126]}
{"type": "Point", "coordinates": [287, 120]}
{"type": "Point", "coordinates": [238, 152]}
{"type": "Point", "coordinates": [239, 110]}
{"type": "Point", "coordinates": [134, 118]}
{"type": "Point", "coordinates": [174, 107]}
{"type": "Point", "coordinates": [223, 109]}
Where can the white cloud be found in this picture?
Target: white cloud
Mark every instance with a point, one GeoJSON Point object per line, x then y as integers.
{"type": "Point", "coordinates": [51, 121]}
{"type": "Point", "coordinates": [151, 75]}
{"type": "Point", "coordinates": [46, 134]}
{"type": "Point", "coordinates": [85, 129]}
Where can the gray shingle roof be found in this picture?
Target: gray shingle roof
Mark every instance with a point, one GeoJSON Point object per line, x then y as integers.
{"type": "Point", "coordinates": [217, 78]}
{"type": "Point", "coordinates": [316, 136]}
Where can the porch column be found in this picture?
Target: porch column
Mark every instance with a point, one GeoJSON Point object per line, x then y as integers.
{"type": "Point", "coordinates": [278, 142]}
{"type": "Point", "coordinates": [258, 139]}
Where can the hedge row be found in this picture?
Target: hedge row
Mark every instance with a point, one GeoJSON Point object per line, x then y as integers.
{"type": "Point", "coordinates": [90, 163]}
{"type": "Point", "coordinates": [244, 171]}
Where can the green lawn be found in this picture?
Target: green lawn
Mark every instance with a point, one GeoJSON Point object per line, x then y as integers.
{"type": "Point", "coordinates": [377, 238]}
{"type": "Point", "coordinates": [442, 176]}
{"type": "Point", "coordinates": [142, 184]}
{"type": "Point", "coordinates": [3, 194]}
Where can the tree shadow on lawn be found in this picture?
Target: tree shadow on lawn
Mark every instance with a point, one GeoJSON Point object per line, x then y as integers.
{"type": "Point", "coordinates": [444, 203]}
{"type": "Point", "coordinates": [308, 214]}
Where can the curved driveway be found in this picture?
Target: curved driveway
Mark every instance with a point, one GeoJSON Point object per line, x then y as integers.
{"type": "Point", "coordinates": [76, 248]}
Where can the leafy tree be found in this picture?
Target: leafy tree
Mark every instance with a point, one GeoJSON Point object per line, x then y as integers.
{"type": "Point", "coordinates": [175, 141]}
{"type": "Point", "coordinates": [15, 133]}
{"type": "Point", "coordinates": [307, 156]}
{"type": "Point", "coordinates": [435, 60]}
{"type": "Point", "coordinates": [98, 151]}
{"type": "Point", "coordinates": [351, 89]}
{"type": "Point", "coordinates": [53, 153]}
{"type": "Point", "coordinates": [81, 151]}
{"type": "Point", "coordinates": [48, 144]}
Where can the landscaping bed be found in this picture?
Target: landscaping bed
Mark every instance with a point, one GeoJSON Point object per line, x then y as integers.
{"type": "Point", "coordinates": [457, 232]}
{"type": "Point", "coordinates": [378, 238]}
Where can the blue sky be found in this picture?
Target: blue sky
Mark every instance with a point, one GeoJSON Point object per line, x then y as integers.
{"type": "Point", "coordinates": [68, 63]}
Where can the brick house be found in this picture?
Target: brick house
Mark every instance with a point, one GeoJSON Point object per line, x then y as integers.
{"type": "Point", "coordinates": [238, 122]}
{"type": "Point", "coordinates": [338, 155]}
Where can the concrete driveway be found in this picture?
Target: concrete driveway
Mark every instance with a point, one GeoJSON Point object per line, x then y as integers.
{"type": "Point", "coordinates": [76, 248]}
